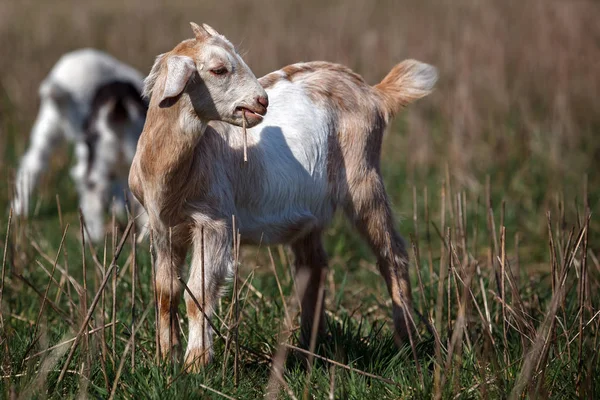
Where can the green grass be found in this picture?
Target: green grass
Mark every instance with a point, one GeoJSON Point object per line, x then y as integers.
{"type": "Point", "coordinates": [477, 364]}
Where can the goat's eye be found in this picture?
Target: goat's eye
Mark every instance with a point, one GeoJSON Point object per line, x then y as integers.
{"type": "Point", "coordinates": [219, 71]}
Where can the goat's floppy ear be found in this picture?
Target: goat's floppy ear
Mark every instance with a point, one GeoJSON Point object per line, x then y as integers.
{"type": "Point", "coordinates": [200, 32]}
{"type": "Point", "coordinates": [179, 71]}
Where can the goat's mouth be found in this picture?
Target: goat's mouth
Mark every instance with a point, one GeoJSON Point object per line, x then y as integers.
{"type": "Point", "coordinates": [253, 116]}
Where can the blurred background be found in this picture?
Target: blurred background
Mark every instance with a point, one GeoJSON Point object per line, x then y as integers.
{"type": "Point", "coordinates": [517, 98]}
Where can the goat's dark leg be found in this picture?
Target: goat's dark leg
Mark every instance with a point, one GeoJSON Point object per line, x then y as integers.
{"type": "Point", "coordinates": [368, 208]}
{"type": "Point", "coordinates": [311, 272]}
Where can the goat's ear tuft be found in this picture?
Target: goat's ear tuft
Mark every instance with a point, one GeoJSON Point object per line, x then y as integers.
{"type": "Point", "coordinates": [200, 32]}
{"type": "Point", "coordinates": [179, 71]}
{"type": "Point", "coordinates": [212, 31]}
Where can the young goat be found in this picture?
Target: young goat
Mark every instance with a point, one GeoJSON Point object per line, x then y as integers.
{"type": "Point", "coordinates": [317, 149]}
{"type": "Point", "coordinates": [93, 100]}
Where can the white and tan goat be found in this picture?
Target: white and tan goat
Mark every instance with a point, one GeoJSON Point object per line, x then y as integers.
{"type": "Point", "coordinates": [317, 149]}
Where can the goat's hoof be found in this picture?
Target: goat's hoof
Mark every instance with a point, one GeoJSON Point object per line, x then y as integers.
{"type": "Point", "coordinates": [196, 359]}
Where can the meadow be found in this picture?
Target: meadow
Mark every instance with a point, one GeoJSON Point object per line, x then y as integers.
{"type": "Point", "coordinates": [493, 178]}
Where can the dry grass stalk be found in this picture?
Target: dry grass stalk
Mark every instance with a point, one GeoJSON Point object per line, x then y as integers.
{"type": "Point", "coordinates": [438, 325]}
{"type": "Point", "coordinates": [417, 253]}
{"type": "Point", "coordinates": [83, 294]}
{"type": "Point", "coordinates": [65, 342]}
{"type": "Point", "coordinates": [155, 298]}
{"type": "Point", "coordinates": [62, 278]}
{"type": "Point", "coordinates": [133, 273]}
{"type": "Point", "coordinates": [203, 272]}
{"type": "Point", "coordinates": [171, 291]}
{"type": "Point", "coordinates": [428, 237]}
{"type": "Point", "coordinates": [288, 318]}
{"type": "Point", "coordinates": [276, 378]}
{"type": "Point", "coordinates": [124, 357]}
{"type": "Point", "coordinates": [315, 331]}
{"type": "Point", "coordinates": [6, 240]}
{"type": "Point", "coordinates": [245, 137]}
{"type": "Point", "coordinates": [230, 313]}
{"type": "Point", "coordinates": [77, 286]}
{"type": "Point", "coordinates": [59, 286]}
{"type": "Point", "coordinates": [95, 301]}
{"type": "Point", "coordinates": [50, 303]}
{"type": "Point", "coordinates": [236, 254]}
{"type": "Point", "coordinates": [103, 348]}
{"type": "Point", "coordinates": [344, 366]}
{"type": "Point", "coordinates": [215, 391]}
{"type": "Point", "coordinates": [539, 350]}
{"type": "Point", "coordinates": [45, 296]}
{"type": "Point", "coordinates": [63, 270]}
{"type": "Point", "coordinates": [197, 303]}
{"type": "Point", "coordinates": [583, 278]}
{"type": "Point", "coordinates": [454, 350]}
{"type": "Point", "coordinates": [114, 290]}
{"type": "Point", "coordinates": [449, 193]}
{"type": "Point", "coordinates": [409, 330]}
{"type": "Point", "coordinates": [60, 217]}
{"type": "Point", "coordinates": [37, 385]}
{"type": "Point", "coordinates": [448, 244]}
{"type": "Point", "coordinates": [502, 288]}
{"type": "Point", "coordinates": [417, 258]}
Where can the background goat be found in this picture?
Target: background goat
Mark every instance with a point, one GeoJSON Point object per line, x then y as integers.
{"type": "Point", "coordinates": [317, 148]}
{"type": "Point", "coordinates": [92, 100]}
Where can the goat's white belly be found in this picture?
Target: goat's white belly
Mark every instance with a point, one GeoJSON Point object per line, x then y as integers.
{"type": "Point", "coordinates": [289, 196]}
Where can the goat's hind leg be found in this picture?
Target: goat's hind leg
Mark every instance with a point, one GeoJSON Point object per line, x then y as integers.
{"type": "Point", "coordinates": [368, 208]}
{"type": "Point", "coordinates": [311, 273]}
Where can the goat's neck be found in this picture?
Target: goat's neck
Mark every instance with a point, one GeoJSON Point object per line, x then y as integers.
{"type": "Point", "coordinates": [167, 152]}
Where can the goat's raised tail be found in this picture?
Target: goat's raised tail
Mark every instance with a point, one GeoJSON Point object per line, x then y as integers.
{"type": "Point", "coordinates": [408, 81]}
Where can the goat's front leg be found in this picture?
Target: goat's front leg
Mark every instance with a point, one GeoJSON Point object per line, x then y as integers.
{"type": "Point", "coordinates": [46, 135]}
{"type": "Point", "coordinates": [211, 264]}
{"type": "Point", "coordinates": [169, 258]}
{"type": "Point", "coordinates": [94, 189]}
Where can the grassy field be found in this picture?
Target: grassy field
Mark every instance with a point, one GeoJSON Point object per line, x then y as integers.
{"type": "Point", "coordinates": [494, 181]}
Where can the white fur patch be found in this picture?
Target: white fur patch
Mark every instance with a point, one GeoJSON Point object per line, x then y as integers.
{"type": "Point", "coordinates": [291, 142]}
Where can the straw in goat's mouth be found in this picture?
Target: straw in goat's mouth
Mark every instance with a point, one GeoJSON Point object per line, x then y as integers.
{"type": "Point", "coordinates": [245, 110]}
{"type": "Point", "coordinates": [245, 136]}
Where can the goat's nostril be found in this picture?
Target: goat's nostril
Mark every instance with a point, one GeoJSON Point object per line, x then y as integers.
{"type": "Point", "coordinates": [263, 101]}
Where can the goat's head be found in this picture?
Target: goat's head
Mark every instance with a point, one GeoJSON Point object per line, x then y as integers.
{"type": "Point", "coordinates": [212, 75]}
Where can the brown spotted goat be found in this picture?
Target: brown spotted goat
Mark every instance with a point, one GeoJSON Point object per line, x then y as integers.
{"type": "Point", "coordinates": [317, 149]}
